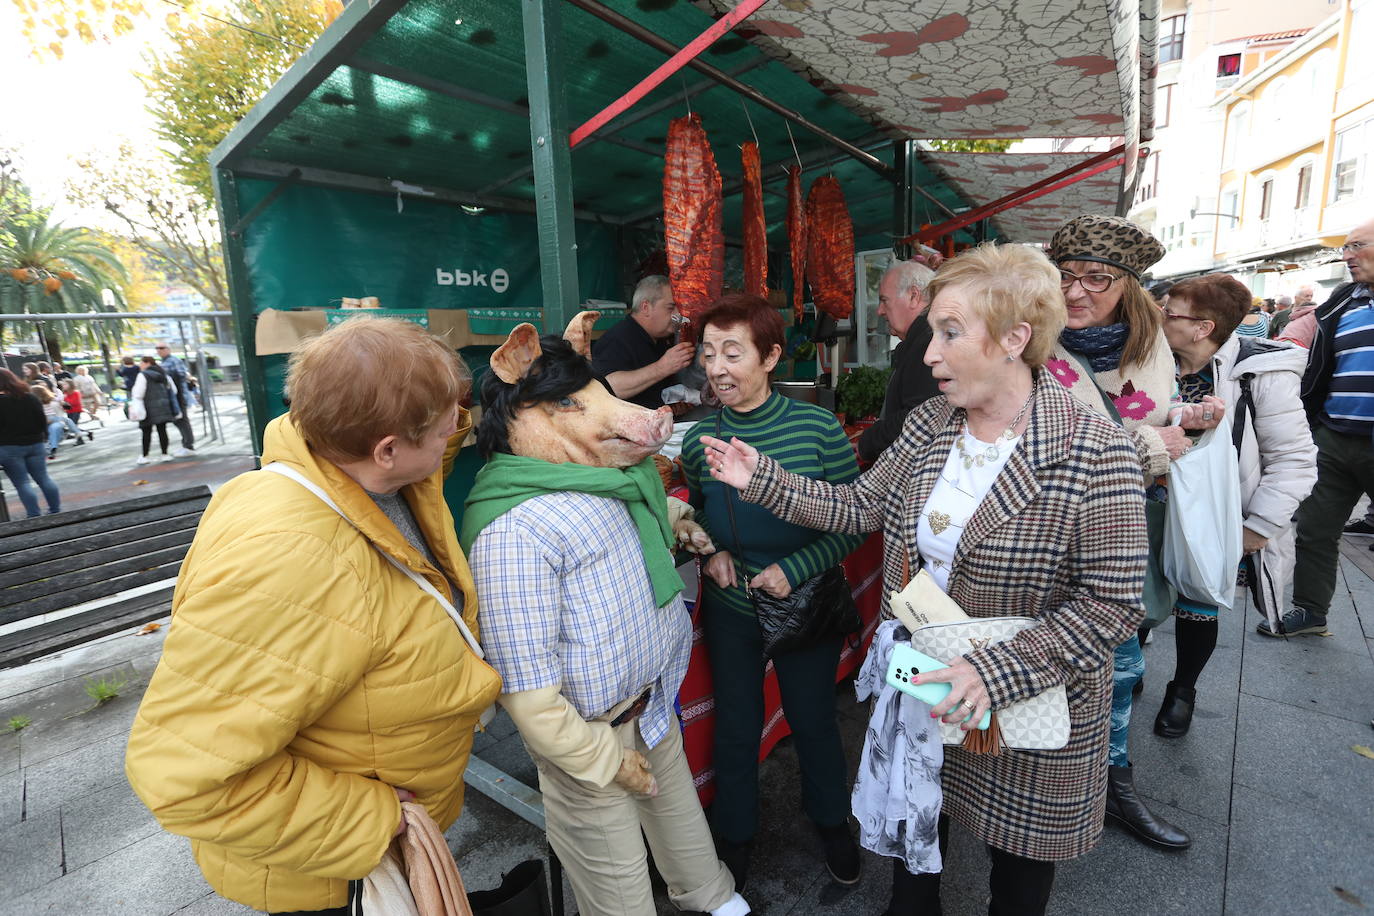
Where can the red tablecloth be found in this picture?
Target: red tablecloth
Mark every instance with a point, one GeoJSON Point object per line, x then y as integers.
{"type": "Point", "coordinates": [864, 569]}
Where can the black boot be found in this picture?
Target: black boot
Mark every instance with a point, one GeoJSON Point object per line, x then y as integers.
{"type": "Point", "coordinates": [736, 858]}
{"type": "Point", "coordinates": [913, 895]}
{"type": "Point", "coordinates": [1129, 809]}
{"type": "Point", "coordinates": [1176, 713]}
{"type": "Point", "coordinates": [841, 853]}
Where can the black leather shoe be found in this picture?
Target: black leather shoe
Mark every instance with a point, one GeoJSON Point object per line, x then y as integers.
{"type": "Point", "coordinates": [736, 858]}
{"type": "Point", "coordinates": [1128, 808]}
{"type": "Point", "coordinates": [841, 854]}
{"type": "Point", "coordinates": [1176, 712]}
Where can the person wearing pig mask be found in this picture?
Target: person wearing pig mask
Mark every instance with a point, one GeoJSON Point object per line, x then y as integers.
{"type": "Point", "coordinates": [571, 547]}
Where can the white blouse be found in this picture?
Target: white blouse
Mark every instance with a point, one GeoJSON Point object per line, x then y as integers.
{"type": "Point", "coordinates": [964, 481]}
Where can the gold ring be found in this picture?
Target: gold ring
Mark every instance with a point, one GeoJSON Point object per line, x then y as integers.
{"type": "Point", "coordinates": [965, 702]}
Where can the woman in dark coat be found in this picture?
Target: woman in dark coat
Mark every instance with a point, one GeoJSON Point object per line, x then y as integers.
{"type": "Point", "coordinates": [23, 450]}
{"type": "Point", "coordinates": [1016, 500]}
{"type": "Point", "coordinates": [154, 405]}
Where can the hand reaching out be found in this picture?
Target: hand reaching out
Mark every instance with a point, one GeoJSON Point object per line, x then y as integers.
{"type": "Point", "coordinates": [732, 462]}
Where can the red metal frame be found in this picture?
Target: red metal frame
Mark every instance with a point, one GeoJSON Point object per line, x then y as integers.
{"type": "Point", "coordinates": [1085, 169]}
{"type": "Point", "coordinates": [669, 67]}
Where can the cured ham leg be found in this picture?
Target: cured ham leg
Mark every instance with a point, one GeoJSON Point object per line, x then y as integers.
{"type": "Point", "coordinates": [796, 238]}
{"type": "Point", "coordinates": [755, 226]}
{"type": "Point", "coordinates": [694, 238]}
{"type": "Point", "coordinates": [829, 248]}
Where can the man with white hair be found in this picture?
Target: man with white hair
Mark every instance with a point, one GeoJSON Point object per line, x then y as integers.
{"type": "Point", "coordinates": [902, 301]}
{"type": "Point", "coordinates": [1302, 320]}
{"type": "Point", "coordinates": [1283, 310]}
{"type": "Point", "coordinates": [637, 356]}
{"type": "Point", "coordinates": [1338, 396]}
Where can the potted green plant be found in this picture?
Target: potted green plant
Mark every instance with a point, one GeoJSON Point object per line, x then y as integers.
{"type": "Point", "coordinates": [860, 392]}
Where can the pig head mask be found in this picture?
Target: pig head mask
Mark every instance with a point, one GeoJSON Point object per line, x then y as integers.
{"type": "Point", "coordinates": [540, 400]}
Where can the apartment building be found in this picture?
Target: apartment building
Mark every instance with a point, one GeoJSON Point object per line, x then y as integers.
{"type": "Point", "coordinates": [1209, 51]}
{"type": "Point", "coordinates": [1294, 166]}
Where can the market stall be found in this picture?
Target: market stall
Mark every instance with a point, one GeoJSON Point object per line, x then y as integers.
{"type": "Point", "coordinates": [479, 164]}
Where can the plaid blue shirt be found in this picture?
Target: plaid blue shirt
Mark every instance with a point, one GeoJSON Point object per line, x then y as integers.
{"type": "Point", "coordinates": [564, 598]}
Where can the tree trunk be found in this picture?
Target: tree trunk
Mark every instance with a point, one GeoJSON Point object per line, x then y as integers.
{"type": "Point", "coordinates": [52, 346]}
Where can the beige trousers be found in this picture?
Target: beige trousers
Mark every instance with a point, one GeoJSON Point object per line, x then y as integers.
{"type": "Point", "coordinates": [596, 833]}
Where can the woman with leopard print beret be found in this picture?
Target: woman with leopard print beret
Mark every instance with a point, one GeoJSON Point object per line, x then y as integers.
{"type": "Point", "coordinates": [1113, 358]}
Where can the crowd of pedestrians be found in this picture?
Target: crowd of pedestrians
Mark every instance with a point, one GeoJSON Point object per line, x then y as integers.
{"type": "Point", "coordinates": [50, 407]}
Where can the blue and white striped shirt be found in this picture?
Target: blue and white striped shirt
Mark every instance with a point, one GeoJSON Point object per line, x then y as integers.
{"type": "Point", "coordinates": [1350, 401]}
{"type": "Point", "coordinates": [564, 598]}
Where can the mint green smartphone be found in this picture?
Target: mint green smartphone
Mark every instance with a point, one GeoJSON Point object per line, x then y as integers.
{"type": "Point", "coordinates": [906, 663]}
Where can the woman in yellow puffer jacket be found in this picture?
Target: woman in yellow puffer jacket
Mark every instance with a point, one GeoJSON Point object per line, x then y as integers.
{"type": "Point", "coordinates": [307, 685]}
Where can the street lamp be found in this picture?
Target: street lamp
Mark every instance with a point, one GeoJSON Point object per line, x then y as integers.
{"type": "Point", "coordinates": [1192, 214]}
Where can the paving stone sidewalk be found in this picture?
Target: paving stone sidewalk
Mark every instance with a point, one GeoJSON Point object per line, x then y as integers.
{"type": "Point", "coordinates": [1280, 806]}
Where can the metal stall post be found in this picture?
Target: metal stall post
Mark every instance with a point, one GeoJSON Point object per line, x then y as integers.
{"type": "Point", "coordinates": [903, 215]}
{"type": "Point", "coordinates": [549, 132]}
{"type": "Point", "coordinates": [209, 410]}
{"type": "Point", "coordinates": [105, 355]}
{"type": "Point", "coordinates": [241, 295]}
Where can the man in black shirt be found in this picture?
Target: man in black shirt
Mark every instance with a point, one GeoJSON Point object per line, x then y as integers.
{"type": "Point", "coordinates": [637, 357]}
{"type": "Point", "coordinates": [902, 301]}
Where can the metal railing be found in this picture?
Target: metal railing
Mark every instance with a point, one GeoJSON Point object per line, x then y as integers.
{"type": "Point", "coordinates": [209, 410]}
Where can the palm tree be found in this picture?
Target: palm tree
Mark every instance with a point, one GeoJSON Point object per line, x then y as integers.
{"type": "Point", "coordinates": [46, 267]}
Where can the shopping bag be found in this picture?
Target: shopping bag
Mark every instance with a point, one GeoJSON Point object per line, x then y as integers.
{"type": "Point", "coordinates": [1202, 525]}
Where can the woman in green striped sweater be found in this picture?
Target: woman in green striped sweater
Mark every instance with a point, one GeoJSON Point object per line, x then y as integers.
{"type": "Point", "coordinates": [742, 338]}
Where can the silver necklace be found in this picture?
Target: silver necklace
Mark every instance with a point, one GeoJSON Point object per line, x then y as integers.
{"type": "Point", "coordinates": [991, 452]}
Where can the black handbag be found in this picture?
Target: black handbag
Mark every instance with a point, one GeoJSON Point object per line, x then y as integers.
{"type": "Point", "coordinates": [816, 610]}
{"type": "Point", "coordinates": [522, 893]}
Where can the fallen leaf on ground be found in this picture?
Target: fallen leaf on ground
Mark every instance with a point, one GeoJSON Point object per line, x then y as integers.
{"type": "Point", "coordinates": [1348, 897]}
{"type": "Point", "coordinates": [139, 482]}
{"type": "Point", "coordinates": [149, 628]}
{"type": "Point", "coordinates": [1363, 751]}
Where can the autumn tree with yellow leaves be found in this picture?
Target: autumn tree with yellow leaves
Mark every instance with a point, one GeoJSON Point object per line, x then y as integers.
{"type": "Point", "coordinates": [213, 65]}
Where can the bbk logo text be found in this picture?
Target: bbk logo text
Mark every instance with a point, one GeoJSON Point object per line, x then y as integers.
{"type": "Point", "coordinates": [498, 281]}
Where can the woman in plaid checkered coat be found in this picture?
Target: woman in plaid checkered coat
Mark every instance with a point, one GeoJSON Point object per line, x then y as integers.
{"type": "Point", "coordinates": [1018, 501]}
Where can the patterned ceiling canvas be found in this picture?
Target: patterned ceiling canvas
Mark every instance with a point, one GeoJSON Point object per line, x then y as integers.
{"type": "Point", "coordinates": [986, 177]}
{"type": "Point", "coordinates": [972, 68]}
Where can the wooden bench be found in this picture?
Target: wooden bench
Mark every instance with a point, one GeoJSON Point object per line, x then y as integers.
{"type": "Point", "coordinates": [93, 571]}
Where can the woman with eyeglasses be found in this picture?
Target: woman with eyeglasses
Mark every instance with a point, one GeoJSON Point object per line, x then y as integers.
{"type": "Point", "coordinates": [1278, 462]}
{"type": "Point", "coordinates": [1114, 359]}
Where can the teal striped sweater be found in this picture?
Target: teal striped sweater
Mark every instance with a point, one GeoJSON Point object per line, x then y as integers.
{"type": "Point", "coordinates": [804, 439]}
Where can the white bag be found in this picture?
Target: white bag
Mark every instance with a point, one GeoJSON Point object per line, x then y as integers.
{"type": "Point", "coordinates": [137, 412]}
{"type": "Point", "coordinates": [1202, 536]}
{"type": "Point", "coordinates": [1038, 723]}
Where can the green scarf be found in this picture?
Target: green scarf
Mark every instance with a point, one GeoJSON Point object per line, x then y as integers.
{"type": "Point", "coordinates": [506, 481]}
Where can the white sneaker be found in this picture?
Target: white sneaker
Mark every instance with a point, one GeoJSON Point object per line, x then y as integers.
{"type": "Point", "coordinates": [143, 459]}
{"type": "Point", "coordinates": [182, 453]}
{"type": "Point", "coordinates": [735, 906]}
